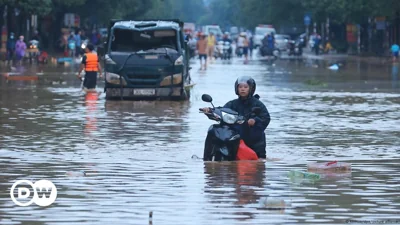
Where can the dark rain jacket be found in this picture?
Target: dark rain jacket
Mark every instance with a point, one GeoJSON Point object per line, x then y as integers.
{"type": "Point", "coordinates": [254, 136]}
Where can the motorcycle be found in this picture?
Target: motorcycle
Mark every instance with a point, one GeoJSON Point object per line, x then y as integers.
{"type": "Point", "coordinates": [227, 50]}
{"type": "Point", "coordinates": [33, 50]}
{"type": "Point", "coordinates": [224, 139]}
{"type": "Point", "coordinates": [295, 48]}
{"type": "Point", "coordinates": [239, 51]}
{"type": "Point", "coordinates": [266, 51]}
{"type": "Point", "coordinates": [218, 51]}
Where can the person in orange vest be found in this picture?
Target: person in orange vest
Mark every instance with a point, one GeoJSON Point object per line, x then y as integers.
{"type": "Point", "coordinates": [91, 65]}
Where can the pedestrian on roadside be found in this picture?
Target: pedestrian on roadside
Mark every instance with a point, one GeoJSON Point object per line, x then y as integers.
{"type": "Point", "coordinates": [10, 48]}
{"type": "Point", "coordinates": [78, 42]}
{"type": "Point", "coordinates": [395, 52]}
{"type": "Point", "coordinates": [211, 45]}
{"type": "Point", "coordinates": [201, 46]}
{"type": "Point", "coordinates": [317, 42]}
{"type": "Point", "coordinates": [20, 48]}
{"type": "Point", "coordinates": [246, 49]}
{"type": "Point", "coordinates": [251, 46]}
{"type": "Point", "coordinates": [71, 45]}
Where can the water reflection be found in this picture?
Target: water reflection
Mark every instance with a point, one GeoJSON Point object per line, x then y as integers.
{"type": "Point", "coordinates": [153, 123]}
{"type": "Point", "coordinates": [395, 75]}
{"type": "Point", "coordinates": [91, 101]}
{"type": "Point", "coordinates": [236, 183]}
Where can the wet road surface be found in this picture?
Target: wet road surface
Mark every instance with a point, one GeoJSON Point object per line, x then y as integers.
{"type": "Point", "coordinates": [138, 155]}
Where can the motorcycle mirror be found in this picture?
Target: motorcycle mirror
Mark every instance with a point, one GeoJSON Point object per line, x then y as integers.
{"type": "Point", "coordinates": [206, 98]}
{"type": "Point", "coordinates": [256, 110]}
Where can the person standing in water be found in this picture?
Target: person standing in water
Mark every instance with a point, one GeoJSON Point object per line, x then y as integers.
{"type": "Point", "coordinates": [91, 65]}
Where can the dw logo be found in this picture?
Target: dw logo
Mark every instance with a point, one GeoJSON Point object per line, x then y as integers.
{"type": "Point", "coordinates": [44, 193]}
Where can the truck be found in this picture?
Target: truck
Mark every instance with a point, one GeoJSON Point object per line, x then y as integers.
{"type": "Point", "coordinates": [215, 29]}
{"type": "Point", "coordinates": [146, 59]}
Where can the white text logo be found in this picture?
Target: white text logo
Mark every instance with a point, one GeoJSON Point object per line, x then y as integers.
{"type": "Point", "coordinates": [44, 193]}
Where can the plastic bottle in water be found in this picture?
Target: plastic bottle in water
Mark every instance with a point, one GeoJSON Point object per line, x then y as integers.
{"type": "Point", "coordinates": [304, 175]}
{"type": "Point", "coordinates": [331, 166]}
{"type": "Point", "coordinates": [275, 203]}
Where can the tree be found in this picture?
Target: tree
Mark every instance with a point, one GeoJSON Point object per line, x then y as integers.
{"type": "Point", "coordinates": [185, 10]}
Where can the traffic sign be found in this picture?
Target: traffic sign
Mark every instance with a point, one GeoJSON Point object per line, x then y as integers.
{"type": "Point", "coordinates": [307, 20]}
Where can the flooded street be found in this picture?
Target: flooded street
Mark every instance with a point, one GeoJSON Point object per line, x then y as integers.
{"type": "Point", "coordinates": [137, 156]}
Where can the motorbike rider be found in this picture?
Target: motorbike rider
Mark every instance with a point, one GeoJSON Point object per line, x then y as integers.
{"type": "Point", "coordinates": [227, 39]}
{"type": "Point", "coordinates": [36, 36]}
{"type": "Point", "coordinates": [252, 132]}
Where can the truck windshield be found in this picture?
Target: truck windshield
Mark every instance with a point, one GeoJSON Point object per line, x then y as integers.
{"type": "Point", "coordinates": [124, 40]}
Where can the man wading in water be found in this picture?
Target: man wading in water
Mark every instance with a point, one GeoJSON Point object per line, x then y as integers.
{"type": "Point", "coordinates": [91, 65]}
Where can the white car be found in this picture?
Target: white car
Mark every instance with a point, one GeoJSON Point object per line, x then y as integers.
{"type": "Point", "coordinates": [281, 41]}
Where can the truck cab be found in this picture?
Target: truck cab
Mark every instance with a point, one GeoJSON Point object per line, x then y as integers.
{"type": "Point", "coordinates": [146, 60]}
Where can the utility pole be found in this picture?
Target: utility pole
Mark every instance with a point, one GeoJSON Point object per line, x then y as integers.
{"type": "Point", "coordinates": [4, 31]}
{"type": "Point", "coordinates": [358, 39]}
{"type": "Point", "coordinates": [369, 35]}
{"type": "Point", "coordinates": [327, 29]}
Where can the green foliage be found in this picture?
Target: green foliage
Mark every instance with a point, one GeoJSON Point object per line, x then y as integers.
{"type": "Point", "coordinates": [249, 13]}
{"type": "Point", "coordinates": [339, 45]}
{"type": "Point", "coordinates": [185, 10]}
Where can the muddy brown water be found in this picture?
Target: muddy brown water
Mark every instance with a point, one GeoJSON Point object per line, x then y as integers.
{"type": "Point", "coordinates": [138, 155]}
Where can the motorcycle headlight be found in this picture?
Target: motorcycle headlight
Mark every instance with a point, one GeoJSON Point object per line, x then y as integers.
{"type": "Point", "coordinates": [114, 78]}
{"type": "Point", "coordinates": [83, 45]}
{"type": "Point", "coordinates": [229, 118]}
{"type": "Point", "coordinates": [179, 61]}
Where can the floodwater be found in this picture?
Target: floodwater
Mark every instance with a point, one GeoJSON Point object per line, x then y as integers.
{"type": "Point", "coordinates": [137, 156]}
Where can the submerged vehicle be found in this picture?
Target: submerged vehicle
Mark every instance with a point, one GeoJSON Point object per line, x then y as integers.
{"type": "Point", "coordinates": [225, 143]}
{"type": "Point", "coordinates": [146, 60]}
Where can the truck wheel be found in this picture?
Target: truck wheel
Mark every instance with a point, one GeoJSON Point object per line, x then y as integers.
{"type": "Point", "coordinates": [185, 95]}
{"type": "Point", "coordinates": [108, 97]}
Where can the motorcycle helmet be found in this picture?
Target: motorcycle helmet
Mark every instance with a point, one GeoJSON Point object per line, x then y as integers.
{"type": "Point", "coordinates": [246, 80]}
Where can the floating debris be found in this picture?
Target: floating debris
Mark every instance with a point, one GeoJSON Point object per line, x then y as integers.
{"type": "Point", "coordinates": [150, 217]}
{"type": "Point", "coordinates": [196, 157]}
{"type": "Point", "coordinates": [331, 166]}
{"type": "Point", "coordinates": [334, 67]}
{"type": "Point", "coordinates": [304, 175]}
{"type": "Point", "coordinates": [80, 173]}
